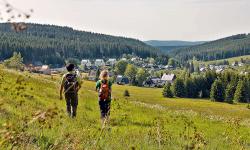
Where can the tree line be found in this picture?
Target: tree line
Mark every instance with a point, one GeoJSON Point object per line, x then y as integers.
{"type": "Point", "coordinates": [53, 44]}
{"type": "Point", "coordinates": [228, 86]}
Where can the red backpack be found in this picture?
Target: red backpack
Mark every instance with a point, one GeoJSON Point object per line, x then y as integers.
{"type": "Point", "coordinates": [104, 91]}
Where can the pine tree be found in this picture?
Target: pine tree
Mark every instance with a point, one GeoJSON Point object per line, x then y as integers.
{"type": "Point", "coordinates": [217, 91]}
{"type": "Point", "coordinates": [190, 89]}
{"type": "Point", "coordinates": [167, 91]}
{"type": "Point", "coordinates": [210, 78]}
{"type": "Point", "coordinates": [240, 93]}
{"type": "Point", "coordinates": [191, 67]}
{"type": "Point", "coordinates": [179, 88]}
{"type": "Point", "coordinates": [229, 93]}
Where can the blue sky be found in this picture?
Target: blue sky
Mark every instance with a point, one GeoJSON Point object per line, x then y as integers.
{"type": "Point", "coordinates": [146, 19]}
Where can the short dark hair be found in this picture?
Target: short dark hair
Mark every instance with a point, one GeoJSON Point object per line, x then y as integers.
{"type": "Point", "coordinates": [70, 67]}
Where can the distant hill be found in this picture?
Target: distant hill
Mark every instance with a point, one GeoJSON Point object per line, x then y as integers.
{"type": "Point", "coordinates": [53, 44]}
{"type": "Point", "coordinates": [237, 45]}
{"type": "Point", "coordinates": [166, 46]}
{"type": "Point", "coordinates": [167, 49]}
{"type": "Point", "coordinates": [157, 43]}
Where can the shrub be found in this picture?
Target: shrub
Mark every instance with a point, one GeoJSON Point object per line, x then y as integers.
{"type": "Point", "coordinates": [167, 91]}
{"type": "Point", "coordinates": [15, 62]}
{"type": "Point", "coordinates": [248, 106]}
{"type": "Point", "coordinates": [126, 93]}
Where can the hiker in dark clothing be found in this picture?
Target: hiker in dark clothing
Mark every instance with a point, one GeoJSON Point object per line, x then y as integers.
{"type": "Point", "coordinates": [71, 83]}
{"type": "Point", "coordinates": [103, 86]}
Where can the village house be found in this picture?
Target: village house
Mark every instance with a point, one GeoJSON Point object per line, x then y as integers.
{"type": "Point", "coordinates": [169, 67]}
{"type": "Point", "coordinates": [235, 63]}
{"type": "Point", "coordinates": [219, 70]}
{"type": "Point", "coordinates": [243, 73]}
{"type": "Point", "coordinates": [30, 68]}
{"type": "Point", "coordinates": [111, 62]}
{"type": "Point", "coordinates": [122, 80]}
{"type": "Point", "coordinates": [203, 69]}
{"type": "Point", "coordinates": [153, 82]}
{"type": "Point", "coordinates": [134, 59]}
{"type": "Point", "coordinates": [169, 78]}
{"type": "Point", "coordinates": [45, 69]}
{"type": "Point", "coordinates": [241, 64]}
{"type": "Point", "coordinates": [86, 62]}
{"type": "Point", "coordinates": [211, 67]}
{"type": "Point", "coordinates": [58, 70]}
{"type": "Point", "coordinates": [124, 59]}
{"type": "Point", "coordinates": [161, 67]}
{"type": "Point", "coordinates": [99, 62]}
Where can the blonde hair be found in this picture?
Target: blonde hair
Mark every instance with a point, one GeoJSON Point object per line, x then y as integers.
{"type": "Point", "coordinates": [104, 74]}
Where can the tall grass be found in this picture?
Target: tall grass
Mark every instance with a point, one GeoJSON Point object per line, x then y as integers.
{"type": "Point", "coordinates": [33, 117]}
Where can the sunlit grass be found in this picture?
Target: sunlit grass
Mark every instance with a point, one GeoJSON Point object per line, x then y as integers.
{"type": "Point", "coordinates": [33, 117]}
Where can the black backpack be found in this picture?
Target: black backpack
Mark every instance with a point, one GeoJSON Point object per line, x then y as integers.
{"type": "Point", "coordinates": [71, 83]}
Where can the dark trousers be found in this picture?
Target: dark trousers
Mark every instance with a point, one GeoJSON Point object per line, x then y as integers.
{"type": "Point", "coordinates": [71, 102]}
{"type": "Point", "coordinates": [104, 108]}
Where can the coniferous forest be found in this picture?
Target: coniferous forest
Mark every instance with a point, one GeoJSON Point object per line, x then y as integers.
{"type": "Point", "coordinates": [237, 45]}
{"type": "Point", "coordinates": [53, 44]}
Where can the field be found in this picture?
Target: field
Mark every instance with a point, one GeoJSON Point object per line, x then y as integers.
{"type": "Point", "coordinates": [33, 117]}
{"type": "Point", "coordinates": [230, 60]}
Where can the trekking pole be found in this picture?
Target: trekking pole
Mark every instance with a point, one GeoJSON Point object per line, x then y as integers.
{"type": "Point", "coordinates": [102, 130]}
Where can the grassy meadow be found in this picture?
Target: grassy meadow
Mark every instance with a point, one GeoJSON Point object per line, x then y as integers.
{"type": "Point", "coordinates": [230, 60]}
{"type": "Point", "coordinates": [33, 117]}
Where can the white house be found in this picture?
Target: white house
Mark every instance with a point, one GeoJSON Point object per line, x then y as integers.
{"type": "Point", "coordinates": [136, 59]}
{"type": "Point", "coordinates": [45, 70]}
{"type": "Point", "coordinates": [86, 62]}
{"type": "Point", "coordinates": [169, 67]}
{"type": "Point", "coordinates": [168, 78]}
{"type": "Point", "coordinates": [111, 61]}
{"type": "Point", "coordinates": [235, 63]}
{"type": "Point", "coordinates": [202, 69]}
{"type": "Point", "coordinates": [211, 67]}
{"type": "Point", "coordinates": [99, 62]}
{"type": "Point", "coordinates": [219, 70]}
{"type": "Point", "coordinates": [240, 64]}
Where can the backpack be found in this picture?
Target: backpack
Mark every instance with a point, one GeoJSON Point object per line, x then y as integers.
{"type": "Point", "coordinates": [104, 91]}
{"type": "Point", "coordinates": [70, 83]}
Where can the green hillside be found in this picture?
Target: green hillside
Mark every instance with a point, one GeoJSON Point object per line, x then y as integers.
{"type": "Point", "coordinates": [237, 45]}
{"type": "Point", "coordinates": [230, 60]}
{"type": "Point", "coordinates": [53, 44]}
{"type": "Point", "coordinates": [33, 117]}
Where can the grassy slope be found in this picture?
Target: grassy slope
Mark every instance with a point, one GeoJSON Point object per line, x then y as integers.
{"type": "Point", "coordinates": [146, 120]}
{"type": "Point", "coordinates": [230, 60]}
